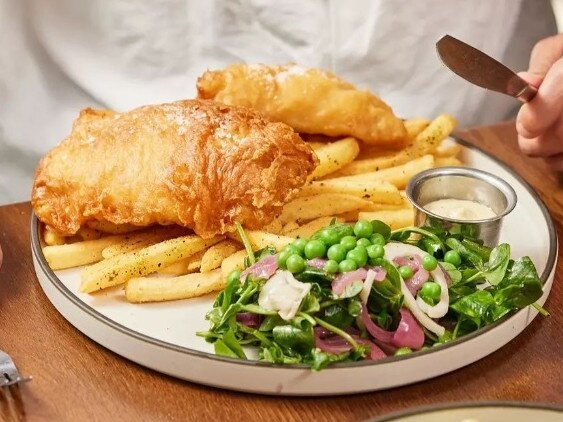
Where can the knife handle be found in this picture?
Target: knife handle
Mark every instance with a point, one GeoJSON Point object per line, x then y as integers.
{"type": "Point", "coordinates": [527, 94]}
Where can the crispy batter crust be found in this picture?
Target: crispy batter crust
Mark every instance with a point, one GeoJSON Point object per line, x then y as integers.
{"type": "Point", "coordinates": [309, 100]}
{"type": "Point", "coordinates": [196, 163]}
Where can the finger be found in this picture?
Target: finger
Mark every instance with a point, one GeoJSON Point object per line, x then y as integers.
{"type": "Point", "coordinates": [555, 163]}
{"type": "Point", "coordinates": [535, 117]}
{"type": "Point", "coordinates": [532, 78]}
{"type": "Point", "coordinates": [541, 146]}
{"type": "Point", "coordinates": [545, 53]}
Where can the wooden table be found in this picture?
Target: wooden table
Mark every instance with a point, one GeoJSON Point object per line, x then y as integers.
{"type": "Point", "coordinates": [75, 379]}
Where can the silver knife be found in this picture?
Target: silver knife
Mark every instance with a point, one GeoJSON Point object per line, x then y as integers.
{"type": "Point", "coordinates": [480, 69]}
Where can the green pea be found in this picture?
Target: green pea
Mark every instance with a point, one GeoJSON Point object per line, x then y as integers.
{"type": "Point", "coordinates": [429, 263]}
{"type": "Point", "coordinates": [292, 249]}
{"type": "Point", "coordinates": [363, 242]}
{"type": "Point", "coordinates": [331, 266]}
{"type": "Point", "coordinates": [403, 351]}
{"type": "Point", "coordinates": [337, 253]}
{"type": "Point", "coordinates": [329, 236]}
{"type": "Point", "coordinates": [315, 249]}
{"type": "Point", "coordinates": [377, 239]}
{"type": "Point", "coordinates": [430, 292]}
{"type": "Point", "coordinates": [347, 265]}
{"type": "Point", "coordinates": [282, 258]}
{"type": "Point", "coordinates": [349, 242]}
{"type": "Point", "coordinates": [233, 277]}
{"type": "Point", "coordinates": [299, 244]}
{"type": "Point", "coordinates": [359, 255]}
{"type": "Point", "coordinates": [295, 263]}
{"type": "Point", "coordinates": [452, 257]}
{"type": "Point", "coordinates": [405, 271]}
{"type": "Point", "coordinates": [375, 251]}
{"type": "Point", "coordinates": [363, 228]}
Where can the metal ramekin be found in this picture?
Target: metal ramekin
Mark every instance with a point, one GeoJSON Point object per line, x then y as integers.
{"type": "Point", "coordinates": [462, 183]}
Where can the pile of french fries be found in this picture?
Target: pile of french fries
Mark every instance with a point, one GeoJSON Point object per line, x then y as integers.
{"type": "Point", "coordinates": [353, 181]}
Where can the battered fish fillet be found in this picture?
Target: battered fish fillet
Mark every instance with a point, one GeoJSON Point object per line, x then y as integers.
{"type": "Point", "coordinates": [199, 164]}
{"type": "Point", "coordinates": [309, 100]}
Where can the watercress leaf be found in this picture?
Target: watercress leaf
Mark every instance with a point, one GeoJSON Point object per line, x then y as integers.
{"type": "Point", "coordinates": [354, 308]}
{"type": "Point", "coordinates": [256, 309]}
{"type": "Point", "coordinates": [221, 349]}
{"type": "Point", "coordinates": [338, 316]}
{"type": "Point", "coordinates": [352, 289]}
{"type": "Point", "coordinates": [384, 320]}
{"type": "Point", "coordinates": [264, 252]}
{"type": "Point", "coordinates": [498, 263]}
{"type": "Point", "coordinates": [291, 338]}
{"type": "Point", "coordinates": [381, 228]}
{"type": "Point", "coordinates": [474, 306]}
{"type": "Point", "coordinates": [270, 322]}
{"type": "Point", "coordinates": [521, 287]}
{"type": "Point", "coordinates": [228, 293]}
{"type": "Point", "coordinates": [232, 343]}
{"type": "Point", "coordinates": [453, 272]}
{"type": "Point", "coordinates": [466, 254]}
{"type": "Point", "coordinates": [275, 354]}
{"type": "Point", "coordinates": [319, 360]}
{"type": "Point", "coordinates": [314, 275]}
{"type": "Point", "coordinates": [483, 251]}
{"type": "Point", "coordinates": [310, 304]}
{"type": "Point", "coordinates": [386, 294]}
{"type": "Point", "coordinates": [458, 291]}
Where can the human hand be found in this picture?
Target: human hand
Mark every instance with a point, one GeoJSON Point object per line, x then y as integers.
{"type": "Point", "coordinates": [540, 122]}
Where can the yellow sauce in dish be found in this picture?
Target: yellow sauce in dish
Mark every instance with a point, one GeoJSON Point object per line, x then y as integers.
{"type": "Point", "coordinates": [460, 209]}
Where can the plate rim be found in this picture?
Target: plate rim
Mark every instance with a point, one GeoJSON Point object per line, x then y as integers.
{"type": "Point", "coordinates": [57, 283]}
{"type": "Point", "coordinates": [421, 410]}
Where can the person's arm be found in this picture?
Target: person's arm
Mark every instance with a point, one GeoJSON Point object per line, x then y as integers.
{"type": "Point", "coordinates": [540, 122]}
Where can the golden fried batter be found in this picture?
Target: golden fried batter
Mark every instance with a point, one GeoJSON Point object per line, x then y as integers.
{"type": "Point", "coordinates": [309, 100]}
{"type": "Point", "coordinates": [196, 163]}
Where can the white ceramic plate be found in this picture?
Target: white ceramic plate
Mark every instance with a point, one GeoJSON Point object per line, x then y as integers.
{"type": "Point", "coordinates": [479, 412]}
{"type": "Point", "coordinates": [162, 336]}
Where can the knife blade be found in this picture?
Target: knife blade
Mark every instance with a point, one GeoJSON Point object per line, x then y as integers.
{"type": "Point", "coordinates": [482, 70]}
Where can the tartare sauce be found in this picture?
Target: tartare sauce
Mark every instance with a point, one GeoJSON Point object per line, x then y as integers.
{"type": "Point", "coordinates": [283, 293]}
{"type": "Point", "coordinates": [460, 209]}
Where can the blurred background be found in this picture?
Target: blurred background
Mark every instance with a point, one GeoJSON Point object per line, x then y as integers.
{"type": "Point", "coordinates": [59, 56]}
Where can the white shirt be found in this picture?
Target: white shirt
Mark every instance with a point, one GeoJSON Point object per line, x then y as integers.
{"type": "Point", "coordinates": [58, 56]}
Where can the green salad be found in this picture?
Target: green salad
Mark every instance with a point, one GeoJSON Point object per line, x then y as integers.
{"type": "Point", "coordinates": [361, 291]}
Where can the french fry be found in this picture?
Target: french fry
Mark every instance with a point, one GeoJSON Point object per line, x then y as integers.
{"type": "Point", "coordinates": [447, 148]}
{"type": "Point", "coordinates": [315, 145]}
{"type": "Point", "coordinates": [53, 238]}
{"type": "Point", "coordinates": [87, 233]}
{"type": "Point", "coordinates": [386, 207]}
{"type": "Point", "coordinates": [213, 257]}
{"type": "Point", "coordinates": [233, 262]}
{"type": "Point", "coordinates": [398, 176]}
{"type": "Point", "coordinates": [150, 289]}
{"type": "Point", "coordinates": [424, 143]}
{"type": "Point", "coordinates": [310, 228]}
{"type": "Point", "coordinates": [447, 161]}
{"type": "Point", "coordinates": [120, 268]}
{"type": "Point", "coordinates": [334, 156]}
{"type": "Point", "coordinates": [322, 205]}
{"type": "Point", "coordinates": [260, 239]}
{"type": "Point", "coordinates": [80, 253]}
{"type": "Point", "coordinates": [396, 219]}
{"type": "Point", "coordinates": [185, 266]}
{"type": "Point", "coordinates": [111, 228]}
{"type": "Point", "coordinates": [415, 126]}
{"type": "Point", "coordinates": [371, 188]}
{"type": "Point", "coordinates": [289, 227]}
{"type": "Point", "coordinates": [348, 216]}
{"type": "Point", "coordinates": [135, 241]}
{"type": "Point", "coordinates": [274, 227]}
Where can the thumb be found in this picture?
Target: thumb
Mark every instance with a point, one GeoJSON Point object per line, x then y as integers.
{"type": "Point", "coordinates": [534, 79]}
